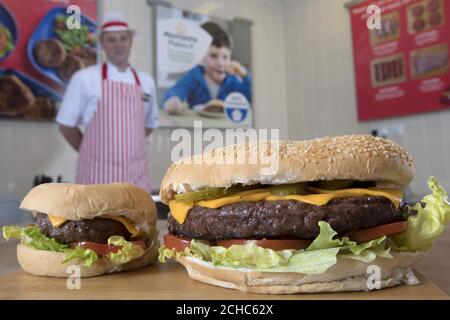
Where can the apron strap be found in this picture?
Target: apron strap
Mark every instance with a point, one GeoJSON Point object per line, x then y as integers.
{"type": "Point", "coordinates": [138, 82]}
{"type": "Point", "coordinates": [105, 74]}
{"type": "Point", "coordinates": [104, 71]}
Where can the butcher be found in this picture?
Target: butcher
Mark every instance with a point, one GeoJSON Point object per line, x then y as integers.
{"type": "Point", "coordinates": [108, 111]}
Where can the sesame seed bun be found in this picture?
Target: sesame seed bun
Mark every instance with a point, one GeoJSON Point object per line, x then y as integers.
{"type": "Point", "coordinates": [351, 157]}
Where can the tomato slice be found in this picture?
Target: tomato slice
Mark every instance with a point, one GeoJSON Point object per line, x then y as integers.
{"type": "Point", "coordinates": [276, 245]}
{"type": "Point", "coordinates": [176, 243]}
{"type": "Point", "coordinates": [363, 235]}
{"type": "Point", "coordinates": [180, 243]}
{"type": "Point", "coordinates": [103, 249]}
{"type": "Point", "coordinates": [100, 249]}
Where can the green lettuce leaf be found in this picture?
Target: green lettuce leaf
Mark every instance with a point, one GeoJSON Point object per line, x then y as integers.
{"type": "Point", "coordinates": [32, 237]}
{"type": "Point", "coordinates": [307, 262]}
{"type": "Point", "coordinates": [261, 259]}
{"type": "Point", "coordinates": [248, 255]}
{"type": "Point", "coordinates": [359, 248]}
{"type": "Point", "coordinates": [325, 238]}
{"type": "Point", "coordinates": [127, 252]}
{"type": "Point", "coordinates": [428, 223]}
{"type": "Point", "coordinates": [200, 250]}
{"type": "Point", "coordinates": [88, 256]}
{"type": "Point", "coordinates": [196, 249]}
{"type": "Point", "coordinates": [11, 232]}
{"type": "Point", "coordinates": [165, 253]}
{"type": "Point", "coordinates": [365, 251]}
{"type": "Point", "coordinates": [369, 251]}
{"type": "Point", "coordinates": [317, 258]}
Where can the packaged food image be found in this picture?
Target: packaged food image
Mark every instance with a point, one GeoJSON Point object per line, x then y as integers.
{"type": "Point", "coordinates": [425, 15]}
{"type": "Point", "coordinates": [390, 29]}
{"type": "Point", "coordinates": [388, 70]}
{"type": "Point", "coordinates": [58, 52]}
{"type": "Point", "coordinates": [429, 61]}
{"type": "Point", "coordinates": [24, 97]}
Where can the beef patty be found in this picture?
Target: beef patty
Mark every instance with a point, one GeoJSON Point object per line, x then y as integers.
{"type": "Point", "coordinates": [71, 65]}
{"type": "Point", "coordinates": [93, 230]}
{"type": "Point", "coordinates": [49, 53]}
{"type": "Point", "coordinates": [286, 219]}
{"type": "Point", "coordinates": [15, 96]}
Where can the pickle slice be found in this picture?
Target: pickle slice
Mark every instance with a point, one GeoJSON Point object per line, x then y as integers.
{"type": "Point", "coordinates": [212, 193]}
{"type": "Point", "coordinates": [334, 184]}
{"type": "Point", "coordinates": [289, 189]}
{"type": "Point", "coordinates": [239, 188]}
{"type": "Point", "coordinates": [204, 194]}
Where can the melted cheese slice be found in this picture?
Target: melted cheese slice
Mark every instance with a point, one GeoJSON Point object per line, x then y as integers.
{"type": "Point", "coordinates": [180, 210]}
{"type": "Point", "coordinates": [57, 222]}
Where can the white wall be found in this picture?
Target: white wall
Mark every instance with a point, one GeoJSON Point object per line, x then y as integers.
{"type": "Point", "coordinates": [303, 85]}
{"type": "Point", "coordinates": [30, 148]}
{"type": "Point", "coordinates": [27, 149]}
{"type": "Point", "coordinates": [321, 89]}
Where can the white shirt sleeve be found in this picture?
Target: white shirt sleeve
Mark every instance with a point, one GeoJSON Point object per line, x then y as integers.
{"type": "Point", "coordinates": [152, 111]}
{"type": "Point", "coordinates": [73, 102]}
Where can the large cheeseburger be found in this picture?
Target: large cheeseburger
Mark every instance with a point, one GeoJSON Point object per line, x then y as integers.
{"type": "Point", "coordinates": [100, 228]}
{"type": "Point", "coordinates": [332, 209]}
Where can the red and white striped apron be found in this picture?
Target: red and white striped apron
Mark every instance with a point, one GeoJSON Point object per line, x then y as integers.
{"type": "Point", "coordinates": [113, 145]}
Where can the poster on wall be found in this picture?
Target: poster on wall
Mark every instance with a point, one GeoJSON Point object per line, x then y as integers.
{"type": "Point", "coordinates": [403, 67]}
{"type": "Point", "coordinates": [203, 69]}
{"type": "Point", "coordinates": [42, 44]}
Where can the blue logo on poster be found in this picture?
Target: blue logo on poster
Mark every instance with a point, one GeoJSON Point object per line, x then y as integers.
{"type": "Point", "coordinates": [236, 107]}
{"type": "Point", "coordinates": [236, 115]}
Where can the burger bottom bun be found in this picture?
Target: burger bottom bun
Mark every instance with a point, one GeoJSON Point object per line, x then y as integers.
{"type": "Point", "coordinates": [345, 275]}
{"type": "Point", "coordinates": [50, 264]}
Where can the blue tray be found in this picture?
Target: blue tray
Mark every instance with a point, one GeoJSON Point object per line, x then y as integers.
{"type": "Point", "coordinates": [7, 19]}
{"type": "Point", "coordinates": [39, 89]}
{"type": "Point", "coordinates": [45, 31]}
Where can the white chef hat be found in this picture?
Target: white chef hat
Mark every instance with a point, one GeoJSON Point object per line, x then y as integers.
{"type": "Point", "coordinates": [114, 21]}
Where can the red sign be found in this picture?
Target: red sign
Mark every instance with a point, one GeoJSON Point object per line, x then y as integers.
{"type": "Point", "coordinates": [403, 67]}
{"type": "Point", "coordinates": [42, 44]}
{"type": "Point", "coordinates": [29, 16]}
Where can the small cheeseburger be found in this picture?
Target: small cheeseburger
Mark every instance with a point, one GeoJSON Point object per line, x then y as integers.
{"type": "Point", "coordinates": [101, 228]}
{"type": "Point", "coordinates": [332, 209]}
{"type": "Point", "coordinates": [214, 105]}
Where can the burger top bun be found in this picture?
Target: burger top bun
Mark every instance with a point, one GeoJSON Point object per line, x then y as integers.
{"type": "Point", "coordinates": [214, 105]}
{"type": "Point", "coordinates": [215, 102]}
{"type": "Point", "coordinates": [78, 202]}
{"type": "Point", "coordinates": [351, 157]}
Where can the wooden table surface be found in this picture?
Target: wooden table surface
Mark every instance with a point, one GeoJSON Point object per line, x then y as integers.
{"type": "Point", "coordinates": [170, 281]}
